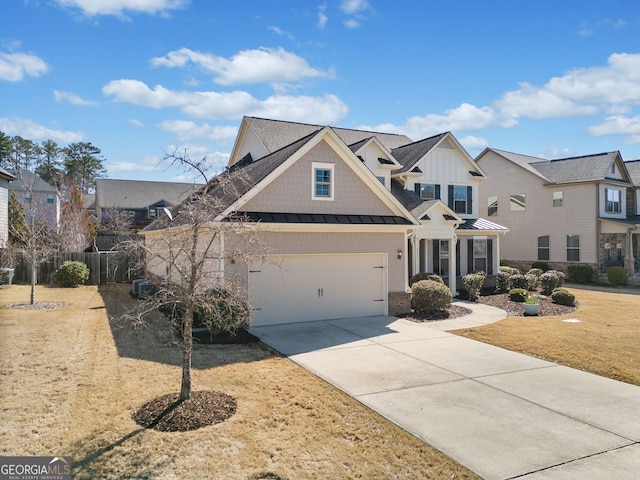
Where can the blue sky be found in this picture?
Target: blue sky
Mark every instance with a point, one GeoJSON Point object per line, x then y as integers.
{"type": "Point", "coordinates": [138, 78]}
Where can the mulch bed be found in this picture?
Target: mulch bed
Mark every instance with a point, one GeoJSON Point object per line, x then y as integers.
{"type": "Point", "coordinates": [515, 309]}
{"type": "Point", "coordinates": [167, 414]}
{"type": "Point", "coordinates": [454, 312]}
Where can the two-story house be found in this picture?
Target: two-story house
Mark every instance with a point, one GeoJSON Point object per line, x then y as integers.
{"type": "Point", "coordinates": [5, 178]}
{"type": "Point", "coordinates": [140, 201]}
{"type": "Point", "coordinates": [566, 211]}
{"type": "Point", "coordinates": [633, 212]}
{"type": "Point", "coordinates": [348, 215]}
{"type": "Point", "coordinates": [41, 201]}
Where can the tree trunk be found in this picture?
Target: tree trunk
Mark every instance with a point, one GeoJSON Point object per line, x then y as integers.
{"type": "Point", "coordinates": [187, 347]}
{"type": "Point", "coordinates": [34, 272]}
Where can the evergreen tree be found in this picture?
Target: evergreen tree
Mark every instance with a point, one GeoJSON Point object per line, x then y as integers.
{"type": "Point", "coordinates": [6, 148]}
{"type": "Point", "coordinates": [49, 164]}
{"type": "Point", "coordinates": [83, 164]}
{"type": "Point", "coordinates": [19, 230]}
{"type": "Point", "coordinates": [24, 154]}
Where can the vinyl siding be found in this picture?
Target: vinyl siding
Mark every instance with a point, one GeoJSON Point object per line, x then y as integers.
{"type": "Point", "coordinates": [577, 216]}
{"type": "Point", "coordinates": [4, 216]}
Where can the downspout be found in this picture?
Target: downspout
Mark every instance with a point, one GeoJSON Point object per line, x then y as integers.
{"type": "Point", "coordinates": [453, 265]}
{"type": "Point", "coordinates": [411, 241]}
{"type": "Point", "coordinates": [598, 230]}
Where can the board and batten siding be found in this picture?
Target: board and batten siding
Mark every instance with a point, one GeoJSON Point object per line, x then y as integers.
{"type": "Point", "coordinates": [446, 166]}
{"type": "Point", "coordinates": [577, 216]}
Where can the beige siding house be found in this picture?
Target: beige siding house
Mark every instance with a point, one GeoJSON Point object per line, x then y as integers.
{"type": "Point", "coordinates": [5, 178]}
{"type": "Point", "coordinates": [348, 215]}
{"type": "Point", "coordinates": [563, 212]}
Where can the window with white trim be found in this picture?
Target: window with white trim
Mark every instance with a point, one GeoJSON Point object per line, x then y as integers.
{"type": "Point", "coordinates": [322, 181]}
{"type": "Point", "coordinates": [613, 203]}
{"type": "Point", "coordinates": [479, 254]}
{"type": "Point", "coordinates": [573, 248]}
{"type": "Point", "coordinates": [492, 206]}
{"type": "Point", "coordinates": [543, 247]}
{"type": "Point", "coordinates": [558, 198]}
{"type": "Point", "coordinates": [517, 203]}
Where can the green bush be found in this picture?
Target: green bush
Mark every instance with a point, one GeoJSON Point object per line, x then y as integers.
{"type": "Point", "coordinates": [72, 274]}
{"type": "Point", "coordinates": [544, 266]}
{"type": "Point", "coordinates": [563, 297]}
{"type": "Point", "coordinates": [425, 276]}
{"type": "Point", "coordinates": [519, 281]}
{"type": "Point", "coordinates": [535, 271]}
{"type": "Point", "coordinates": [616, 275]}
{"type": "Point", "coordinates": [580, 273]}
{"type": "Point", "coordinates": [509, 270]}
{"type": "Point", "coordinates": [550, 280]}
{"type": "Point", "coordinates": [473, 285]}
{"type": "Point", "coordinates": [503, 281]}
{"type": "Point", "coordinates": [429, 296]}
{"type": "Point", "coordinates": [533, 281]}
{"type": "Point", "coordinates": [518, 295]}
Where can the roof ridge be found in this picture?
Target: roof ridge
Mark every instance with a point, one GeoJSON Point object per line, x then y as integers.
{"type": "Point", "coordinates": [422, 140]}
{"type": "Point", "coordinates": [601, 154]}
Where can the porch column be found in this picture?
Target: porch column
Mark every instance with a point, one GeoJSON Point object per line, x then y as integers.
{"type": "Point", "coordinates": [630, 262]}
{"type": "Point", "coordinates": [452, 265]}
{"type": "Point", "coordinates": [416, 256]}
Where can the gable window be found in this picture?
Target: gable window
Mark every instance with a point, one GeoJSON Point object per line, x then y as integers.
{"type": "Point", "coordinates": [460, 198]}
{"type": "Point", "coordinates": [573, 248]}
{"type": "Point", "coordinates": [27, 197]}
{"type": "Point", "coordinates": [517, 203]}
{"type": "Point", "coordinates": [428, 191]}
{"type": "Point", "coordinates": [50, 198]}
{"type": "Point", "coordinates": [543, 247]}
{"type": "Point", "coordinates": [323, 181]}
{"type": "Point", "coordinates": [613, 204]}
{"type": "Point", "coordinates": [492, 206]}
{"type": "Point", "coordinates": [558, 199]}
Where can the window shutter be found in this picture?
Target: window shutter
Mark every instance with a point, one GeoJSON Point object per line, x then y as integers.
{"type": "Point", "coordinates": [469, 200]}
{"type": "Point", "coordinates": [438, 196]}
{"type": "Point", "coordinates": [470, 255]}
{"type": "Point", "coordinates": [450, 199]}
{"type": "Point", "coordinates": [489, 256]}
{"type": "Point", "coordinates": [458, 258]}
{"type": "Point", "coordinates": [416, 188]}
{"type": "Point", "coordinates": [436, 256]}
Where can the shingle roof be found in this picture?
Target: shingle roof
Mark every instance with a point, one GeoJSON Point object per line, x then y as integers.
{"type": "Point", "coordinates": [134, 194]}
{"type": "Point", "coordinates": [633, 167]}
{"type": "Point", "coordinates": [6, 174]}
{"type": "Point", "coordinates": [407, 155]}
{"type": "Point", "coordinates": [565, 170]}
{"type": "Point", "coordinates": [276, 134]}
{"type": "Point", "coordinates": [26, 180]}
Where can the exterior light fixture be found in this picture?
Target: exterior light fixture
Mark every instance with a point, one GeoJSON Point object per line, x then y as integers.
{"type": "Point", "coordinates": [399, 254]}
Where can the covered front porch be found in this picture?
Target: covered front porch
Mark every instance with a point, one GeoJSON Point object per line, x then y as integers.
{"type": "Point", "coordinates": [619, 245]}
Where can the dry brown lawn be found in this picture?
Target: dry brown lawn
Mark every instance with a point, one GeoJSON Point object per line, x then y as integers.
{"type": "Point", "coordinates": [71, 378]}
{"type": "Point", "coordinates": [606, 341]}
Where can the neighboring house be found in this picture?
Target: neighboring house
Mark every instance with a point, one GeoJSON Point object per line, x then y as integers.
{"type": "Point", "coordinates": [141, 201]}
{"type": "Point", "coordinates": [578, 210]}
{"type": "Point", "coordinates": [41, 200]}
{"type": "Point", "coordinates": [348, 216]}
{"type": "Point", "coordinates": [633, 209]}
{"type": "Point", "coordinates": [5, 178]}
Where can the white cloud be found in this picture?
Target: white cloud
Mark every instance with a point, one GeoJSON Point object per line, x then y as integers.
{"type": "Point", "coordinates": [245, 67]}
{"type": "Point", "coordinates": [188, 130]}
{"type": "Point", "coordinates": [279, 31]}
{"type": "Point", "coordinates": [354, 6]}
{"type": "Point", "coordinates": [629, 127]}
{"type": "Point", "coordinates": [29, 129]}
{"type": "Point", "coordinates": [148, 163]}
{"type": "Point", "coordinates": [322, 16]}
{"type": "Point", "coordinates": [228, 105]}
{"type": "Point", "coordinates": [136, 122]}
{"type": "Point", "coordinates": [61, 96]}
{"type": "Point", "coordinates": [118, 8]}
{"type": "Point", "coordinates": [465, 117]}
{"type": "Point", "coordinates": [613, 88]}
{"type": "Point", "coordinates": [15, 66]}
{"type": "Point", "coordinates": [471, 142]}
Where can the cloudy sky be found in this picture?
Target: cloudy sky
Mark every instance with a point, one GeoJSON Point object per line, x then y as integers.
{"type": "Point", "coordinates": [140, 78]}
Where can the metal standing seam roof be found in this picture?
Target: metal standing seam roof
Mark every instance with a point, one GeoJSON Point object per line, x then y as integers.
{"type": "Point", "coordinates": [481, 224]}
{"type": "Point", "coordinates": [322, 218]}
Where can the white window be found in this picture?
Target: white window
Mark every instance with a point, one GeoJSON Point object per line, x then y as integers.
{"type": "Point", "coordinates": [492, 206]}
{"type": "Point", "coordinates": [573, 248]}
{"type": "Point", "coordinates": [479, 254]}
{"type": "Point", "coordinates": [322, 181]}
{"type": "Point", "coordinates": [558, 199]}
{"type": "Point", "coordinates": [460, 199]}
{"type": "Point", "coordinates": [50, 198]}
{"type": "Point", "coordinates": [613, 203]}
{"type": "Point", "coordinates": [543, 247]}
{"type": "Point", "coordinates": [428, 191]}
{"type": "Point", "coordinates": [517, 203]}
{"type": "Point", "coordinates": [443, 259]}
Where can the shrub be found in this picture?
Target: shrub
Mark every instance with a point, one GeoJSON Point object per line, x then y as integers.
{"type": "Point", "coordinates": [510, 270]}
{"type": "Point", "coordinates": [580, 273]}
{"type": "Point", "coordinates": [519, 281]}
{"type": "Point", "coordinates": [563, 297]}
{"type": "Point", "coordinates": [544, 266]}
{"type": "Point", "coordinates": [518, 295]}
{"type": "Point", "coordinates": [533, 281]}
{"type": "Point", "coordinates": [430, 296]}
{"type": "Point", "coordinates": [535, 271]}
{"type": "Point", "coordinates": [425, 276]}
{"type": "Point", "coordinates": [217, 309]}
{"type": "Point", "coordinates": [503, 282]}
{"type": "Point", "coordinates": [72, 274]}
{"type": "Point", "coordinates": [473, 285]}
{"type": "Point", "coordinates": [616, 275]}
{"type": "Point", "coordinates": [550, 280]}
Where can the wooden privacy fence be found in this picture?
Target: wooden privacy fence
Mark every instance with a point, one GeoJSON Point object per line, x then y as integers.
{"type": "Point", "coordinates": [104, 267]}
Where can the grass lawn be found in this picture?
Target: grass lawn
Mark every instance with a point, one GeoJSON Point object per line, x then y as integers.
{"type": "Point", "coordinates": [606, 341]}
{"type": "Point", "coordinates": [71, 378]}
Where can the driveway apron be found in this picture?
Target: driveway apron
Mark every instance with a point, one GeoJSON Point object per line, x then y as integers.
{"type": "Point", "coordinates": [501, 414]}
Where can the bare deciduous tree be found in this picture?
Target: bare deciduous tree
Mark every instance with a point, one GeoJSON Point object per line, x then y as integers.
{"type": "Point", "coordinates": [193, 252]}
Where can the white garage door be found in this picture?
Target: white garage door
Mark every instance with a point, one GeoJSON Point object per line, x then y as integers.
{"type": "Point", "coordinates": [301, 288]}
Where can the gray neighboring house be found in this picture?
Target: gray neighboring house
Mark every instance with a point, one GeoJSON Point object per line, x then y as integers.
{"type": "Point", "coordinates": [38, 198]}
{"type": "Point", "coordinates": [577, 210]}
{"type": "Point", "coordinates": [5, 178]}
{"type": "Point", "coordinates": [142, 201]}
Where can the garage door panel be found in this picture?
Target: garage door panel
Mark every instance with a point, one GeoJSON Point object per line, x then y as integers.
{"type": "Point", "coordinates": [295, 288]}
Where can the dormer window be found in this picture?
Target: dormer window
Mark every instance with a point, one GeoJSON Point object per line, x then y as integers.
{"type": "Point", "coordinates": [322, 181]}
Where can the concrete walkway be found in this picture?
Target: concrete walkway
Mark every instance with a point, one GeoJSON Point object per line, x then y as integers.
{"type": "Point", "coordinates": [501, 414]}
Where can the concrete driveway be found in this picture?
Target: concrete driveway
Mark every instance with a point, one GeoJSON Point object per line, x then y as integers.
{"type": "Point", "coordinates": [501, 414]}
